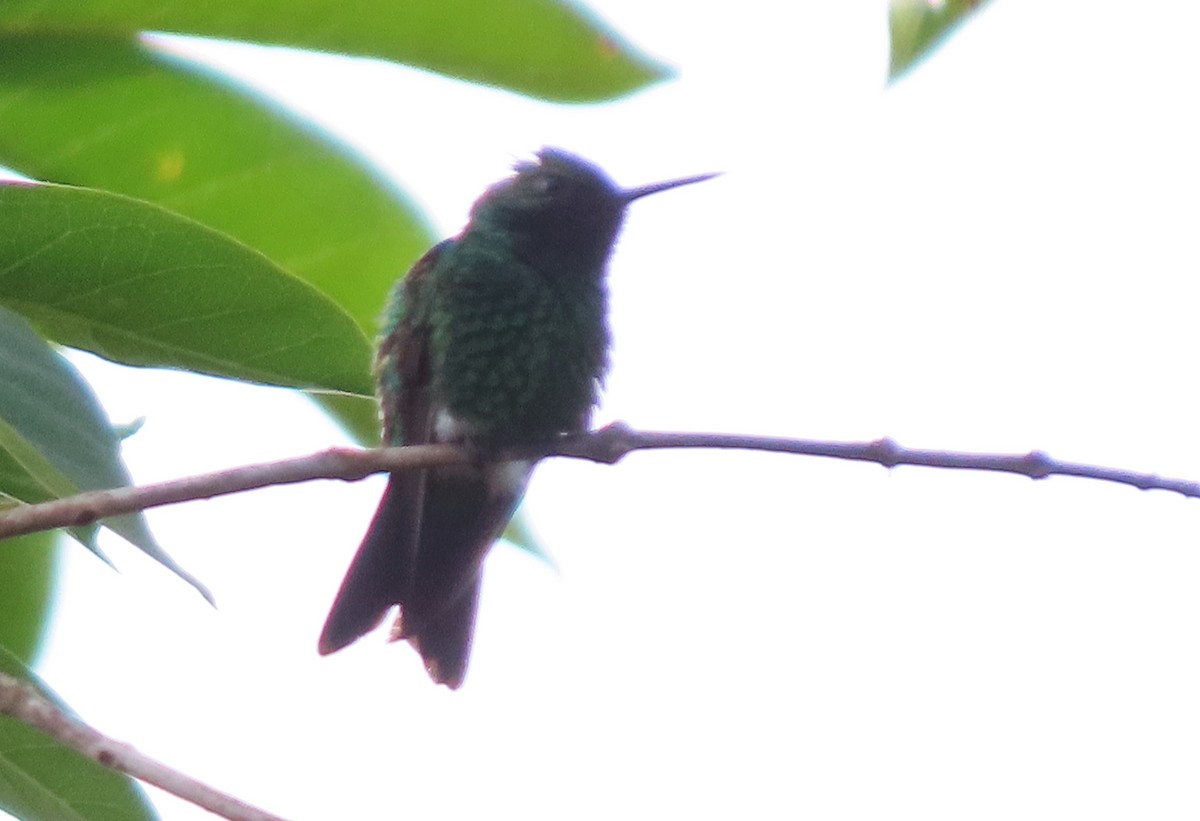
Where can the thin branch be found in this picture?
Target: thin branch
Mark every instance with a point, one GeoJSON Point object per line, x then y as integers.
{"type": "Point", "coordinates": [23, 702]}
{"type": "Point", "coordinates": [608, 445]}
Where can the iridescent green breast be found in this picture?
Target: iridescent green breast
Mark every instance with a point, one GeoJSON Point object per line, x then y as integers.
{"type": "Point", "coordinates": [517, 352]}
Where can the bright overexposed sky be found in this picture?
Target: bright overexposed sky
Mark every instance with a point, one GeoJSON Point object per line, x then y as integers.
{"type": "Point", "coordinates": [997, 253]}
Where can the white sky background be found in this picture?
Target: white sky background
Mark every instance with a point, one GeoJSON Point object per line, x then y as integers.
{"type": "Point", "coordinates": [998, 253]}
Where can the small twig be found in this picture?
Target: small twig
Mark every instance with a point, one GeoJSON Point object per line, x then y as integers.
{"type": "Point", "coordinates": [23, 702]}
{"type": "Point", "coordinates": [609, 445]}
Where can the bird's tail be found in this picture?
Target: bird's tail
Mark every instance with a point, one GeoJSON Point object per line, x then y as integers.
{"type": "Point", "coordinates": [382, 571]}
{"type": "Point", "coordinates": [424, 551]}
{"type": "Point", "coordinates": [465, 511]}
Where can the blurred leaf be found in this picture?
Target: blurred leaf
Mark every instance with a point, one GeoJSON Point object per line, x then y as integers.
{"type": "Point", "coordinates": [27, 480]}
{"type": "Point", "coordinates": [27, 573]}
{"type": "Point", "coordinates": [542, 48]}
{"type": "Point", "coordinates": [41, 780]}
{"type": "Point", "coordinates": [54, 438]}
{"type": "Point", "coordinates": [108, 113]}
{"type": "Point", "coordinates": [138, 284]}
{"type": "Point", "coordinates": [917, 26]}
{"type": "Point", "coordinates": [27, 476]}
{"type": "Point", "coordinates": [128, 429]}
{"type": "Point", "coordinates": [358, 415]}
{"type": "Point", "coordinates": [520, 536]}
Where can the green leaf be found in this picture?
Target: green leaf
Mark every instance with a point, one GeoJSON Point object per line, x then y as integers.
{"type": "Point", "coordinates": [542, 48]}
{"type": "Point", "coordinates": [358, 416]}
{"type": "Point", "coordinates": [54, 437]}
{"type": "Point", "coordinates": [41, 780]}
{"type": "Point", "coordinates": [128, 429]}
{"type": "Point", "coordinates": [108, 113]}
{"type": "Point", "coordinates": [27, 575]}
{"type": "Point", "coordinates": [138, 284]}
{"type": "Point", "coordinates": [26, 477]}
{"type": "Point", "coordinates": [518, 534]}
{"type": "Point", "coordinates": [917, 26]}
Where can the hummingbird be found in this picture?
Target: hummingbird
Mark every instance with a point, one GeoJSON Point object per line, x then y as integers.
{"type": "Point", "coordinates": [497, 336]}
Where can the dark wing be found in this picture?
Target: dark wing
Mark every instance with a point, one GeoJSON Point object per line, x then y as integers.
{"type": "Point", "coordinates": [402, 366]}
{"type": "Point", "coordinates": [381, 574]}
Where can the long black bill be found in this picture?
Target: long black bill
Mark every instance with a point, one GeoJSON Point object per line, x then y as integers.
{"type": "Point", "coordinates": [632, 194]}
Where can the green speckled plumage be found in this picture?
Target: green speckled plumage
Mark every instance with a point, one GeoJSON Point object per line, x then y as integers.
{"type": "Point", "coordinates": [516, 357]}
{"type": "Point", "coordinates": [498, 335]}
